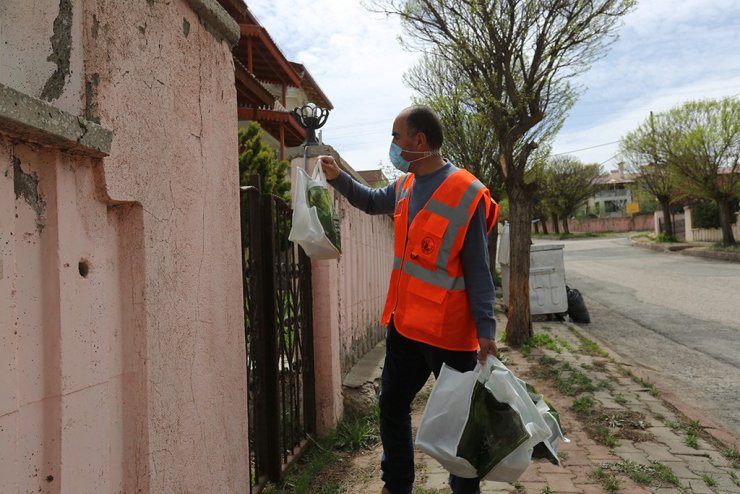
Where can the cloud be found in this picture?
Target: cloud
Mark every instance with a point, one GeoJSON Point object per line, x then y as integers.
{"type": "Point", "coordinates": [668, 52]}
{"type": "Point", "coordinates": [355, 57]}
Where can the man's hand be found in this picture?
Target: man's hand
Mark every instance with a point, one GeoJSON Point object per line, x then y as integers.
{"type": "Point", "coordinates": [331, 169]}
{"type": "Point", "coordinates": [487, 347]}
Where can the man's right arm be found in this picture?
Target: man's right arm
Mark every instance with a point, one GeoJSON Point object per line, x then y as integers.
{"type": "Point", "coordinates": [367, 199]}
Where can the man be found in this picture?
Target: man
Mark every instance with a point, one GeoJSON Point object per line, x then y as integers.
{"type": "Point", "coordinates": [439, 307]}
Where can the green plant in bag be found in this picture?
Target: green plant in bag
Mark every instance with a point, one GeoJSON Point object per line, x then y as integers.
{"type": "Point", "coordinates": [318, 197]}
{"type": "Point", "coordinates": [492, 432]}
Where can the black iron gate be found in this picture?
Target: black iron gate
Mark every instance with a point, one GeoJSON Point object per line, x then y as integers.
{"type": "Point", "coordinates": [279, 335]}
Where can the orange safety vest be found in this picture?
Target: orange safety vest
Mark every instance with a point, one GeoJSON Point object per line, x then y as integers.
{"type": "Point", "coordinates": [426, 296]}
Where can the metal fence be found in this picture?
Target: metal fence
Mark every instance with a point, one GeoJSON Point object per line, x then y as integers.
{"type": "Point", "coordinates": [279, 335]}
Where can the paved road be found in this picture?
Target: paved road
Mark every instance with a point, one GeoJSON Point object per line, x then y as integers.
{"type": "Point", "coordinates": [678, 316]}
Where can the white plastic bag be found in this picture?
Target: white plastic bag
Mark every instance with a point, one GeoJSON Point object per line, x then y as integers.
{"type": "Point", "coordinates": [448, 411]}
{"type": "Point", "coordinates": [312, 204]}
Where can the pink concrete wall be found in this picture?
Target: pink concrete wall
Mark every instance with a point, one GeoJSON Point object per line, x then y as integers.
{"type": "Point", "coordinates": [596, 225]}
{"type": "Point", "coordinates": [348, 299]}
{"type": "Point", "coordinates": [130, 378]}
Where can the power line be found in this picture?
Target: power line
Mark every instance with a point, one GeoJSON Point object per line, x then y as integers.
{"type": "Point", "coordinates": [585, 149]}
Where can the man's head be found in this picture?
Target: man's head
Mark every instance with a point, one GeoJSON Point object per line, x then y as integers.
{"type": "Point", "coordinates": [422, 127]}
{"type": "Point", "coordinates": [417, 140]}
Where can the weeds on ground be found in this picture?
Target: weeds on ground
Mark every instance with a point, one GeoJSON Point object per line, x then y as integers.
{"type": "Point", "coordinates": [588, 346]}
{"type": "Point", "coordinates": [732, 455]}
{"type": "Point", "coordinates": [309, 475]}
{"type": "Point", "coordinates": [547, 490]}
{"type": "Point", "coordinates": [734, 478]}
{"type": "Point", "coordinates": [725, 248]}
{"type": "Point", "coordinates": [542, 340]}
{"type": "Point", "coordinates": [656, 474]}
{"type": "Point", "coordinates": [651, 388]}
{"type": "Point", "coordinates": [426, 490]}
{"type": "Point", "coordinates": [620, 399]}
{"type": "Point", "coordinates": [583, 405]}
{"type": "Point", "coordinates": [607, 479]}
{"type": "Point", "coordinates": [663, 237]}
{"type": "Point", "coordinates": [567, 379]}
{"type": "Point", "coordinates": [709, 480]}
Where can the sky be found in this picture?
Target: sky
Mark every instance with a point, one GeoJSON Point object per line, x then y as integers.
{"type": "Point", "coordinates": [668, 52]}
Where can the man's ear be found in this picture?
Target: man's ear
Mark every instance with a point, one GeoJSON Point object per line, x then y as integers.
{"type": "Point", "coordinates": [420, 139]}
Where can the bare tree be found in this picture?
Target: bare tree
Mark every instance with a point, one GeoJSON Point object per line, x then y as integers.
{"type": "Point", "coordinates": [647, 161]}
{"type": "Point", "coordinates": [519, 57]}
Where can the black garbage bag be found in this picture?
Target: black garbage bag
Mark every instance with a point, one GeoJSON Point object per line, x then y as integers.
{"type": "Point", "coordinates": [577, 307]}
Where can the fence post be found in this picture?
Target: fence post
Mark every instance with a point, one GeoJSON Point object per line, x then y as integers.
{"type": "Point", "coordinates": [270, 406]}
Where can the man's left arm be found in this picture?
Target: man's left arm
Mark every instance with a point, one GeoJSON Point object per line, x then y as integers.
{"type": "Point", "coordinates": [479, 283]}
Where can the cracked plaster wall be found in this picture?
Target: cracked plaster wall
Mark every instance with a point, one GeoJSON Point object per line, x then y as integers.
{"type": "Point", "coordinates": [135, 371]}
{"type": "Point", "coordinates": [41, 52]}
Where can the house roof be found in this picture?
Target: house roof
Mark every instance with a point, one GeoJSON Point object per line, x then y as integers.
{"type": "Point", "coordinates": [309, 86]}
{"type": "Point", "coordinates": [272, 120]}
{"type": "Point", "coordinates": [262, 57]}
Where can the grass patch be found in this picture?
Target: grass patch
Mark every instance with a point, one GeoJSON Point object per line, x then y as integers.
{"type": "Point", "coordinates": [663, 237]}
{"type": "Point", "coordinates": [656, 474]}
{"type": "Point", "coordinates": [722, 248]}
{"type": "Point", "coordinates": [583, 405]}
{"type": "Point", "coordinates": [607, 479]}
{"type": "Point", "coordinates": [620, 399]}
{"type": "Point", "coordinates": [567, 379]}
{"type": "Point", "coordinates": [709, 480]}
{"type": "Point", "coordinates": [588, 346]}
{"type": "Point", "coordinates": [732, 455]}
{"type": "Point", "coordinates": [540, 340]}
{"type": "Point", "coordinates": [735, 480]}
{"type": "Point", "coordinates": [603, 435]}
{"type": "Point", "coordinates": [547, 490]}
{"type": "Point", "coordinates": [323, 467]}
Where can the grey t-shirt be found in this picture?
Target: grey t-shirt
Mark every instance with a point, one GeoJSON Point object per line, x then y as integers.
{"type": "Point", "coordinates": [474, 253]}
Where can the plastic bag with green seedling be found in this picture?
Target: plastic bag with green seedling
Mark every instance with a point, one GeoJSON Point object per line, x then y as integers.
{"type": "Point", "coordinates": [315, 223]}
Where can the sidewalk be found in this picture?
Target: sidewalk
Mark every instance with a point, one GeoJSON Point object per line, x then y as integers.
{"type": "Point", "coordinates": [626, 412]}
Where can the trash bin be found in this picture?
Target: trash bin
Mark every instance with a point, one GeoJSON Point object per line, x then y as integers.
{"type": "Point", "coordinates": [547, 292]}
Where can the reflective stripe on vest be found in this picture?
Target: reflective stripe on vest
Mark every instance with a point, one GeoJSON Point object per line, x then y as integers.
{"type": "Point", "coordinates": [457, 216]}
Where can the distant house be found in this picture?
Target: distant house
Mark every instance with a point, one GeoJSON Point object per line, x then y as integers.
{"type": "Point", "coordinates": [374, 178]}
{"type": "Point", "coordinates": [613, 195]}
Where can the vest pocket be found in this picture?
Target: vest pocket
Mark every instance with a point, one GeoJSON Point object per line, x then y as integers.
{"type": "Point", "coordinates": [424, 307]}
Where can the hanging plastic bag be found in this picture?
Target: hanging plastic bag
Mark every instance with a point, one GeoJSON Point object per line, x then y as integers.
{"type": "Point", "coordinates": [315, 224]}
{"type": "Point", "coordinates": [485, 424]}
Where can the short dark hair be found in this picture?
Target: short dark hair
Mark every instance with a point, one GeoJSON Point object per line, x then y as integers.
{"type": "Point", "coordinates": [422, 118]}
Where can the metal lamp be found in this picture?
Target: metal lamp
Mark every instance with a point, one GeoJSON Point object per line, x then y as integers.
{"type": "Point", "coordinates": [310, 117]}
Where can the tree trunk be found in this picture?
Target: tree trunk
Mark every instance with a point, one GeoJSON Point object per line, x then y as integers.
{"type": "Point", "coordinates": [725, 220]}
{"type": "Point", "coordinates": [537, 227]}
{"type": "Point", "coordinates": [665, 206]}
{"type": "Point", "coordinates": [544, 227]}
{"type": "Point", "coordinates": [565, 225]}
{"type": "Point", "coordinates": [555, 225]}
{"type": "Point", "coordinates": [519, 326]}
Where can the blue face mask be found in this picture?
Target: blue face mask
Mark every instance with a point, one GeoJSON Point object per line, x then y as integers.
{"type": "Point", "coordinates": [394, 154]}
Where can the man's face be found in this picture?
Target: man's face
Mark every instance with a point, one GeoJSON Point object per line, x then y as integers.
{"type": "Point", "coordinates": [401, 137]}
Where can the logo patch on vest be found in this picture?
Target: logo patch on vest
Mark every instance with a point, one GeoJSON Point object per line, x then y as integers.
{"type": "Point", "coordinates": [427, 245]}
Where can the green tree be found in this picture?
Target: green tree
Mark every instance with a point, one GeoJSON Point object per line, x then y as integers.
{"type": "Point", "coordinates": [257, 158]}
{"type": "Point", "coordinates": [568, 183]}
{"type": "Point", "coordinates": [648, 163]}
{"type": "Point", "coordinates": [519, 57]}
{"type": "Point", "coordinates": [701, 140]}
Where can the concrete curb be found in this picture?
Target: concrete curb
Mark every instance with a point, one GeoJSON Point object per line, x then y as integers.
{"type": "Point", "coordinates": [695, 250]}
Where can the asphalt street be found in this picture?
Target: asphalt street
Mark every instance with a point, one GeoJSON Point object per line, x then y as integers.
{"type": "Point", "coordinates": [676, 316]}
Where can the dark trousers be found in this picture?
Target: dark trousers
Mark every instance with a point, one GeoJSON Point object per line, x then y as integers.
{"type": "Point", "coordinates": [407, 367]}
